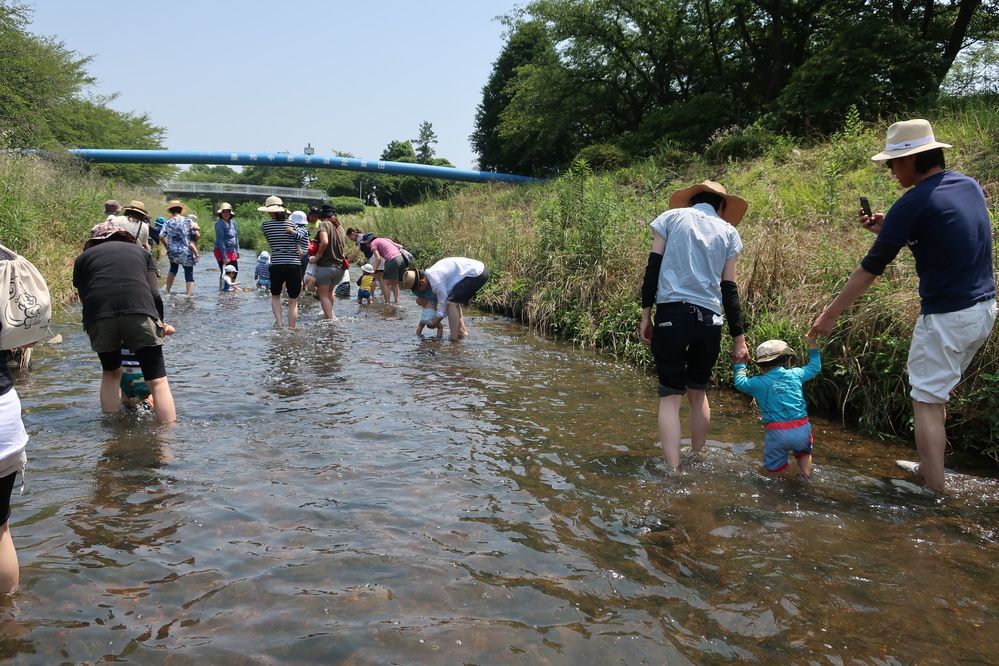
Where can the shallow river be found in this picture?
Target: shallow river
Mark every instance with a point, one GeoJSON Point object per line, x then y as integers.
{"type": "Point", "coordinates": [349, 493]}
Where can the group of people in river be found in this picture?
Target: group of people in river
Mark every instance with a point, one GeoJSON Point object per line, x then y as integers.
{"type": "Point", "coordinates": [690, 279]}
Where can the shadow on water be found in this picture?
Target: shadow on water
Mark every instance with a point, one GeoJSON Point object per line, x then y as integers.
{"type": "Point", "coordinates": [348, 492]}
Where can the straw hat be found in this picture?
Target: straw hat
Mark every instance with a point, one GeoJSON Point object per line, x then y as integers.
{"type": "Point", "coordinates": [136, 207]}
{"type": "Point", "coordinates": [411, 279]}
{"type": "Point", "coordinates": [223, 207]}
{"type": "Point", "coordinates": [735, 207]}
{"type": "Point", "coordinates": [772, 349]}
{"type": "Point", "coordinates": [176, 204]}
{"type": "Point", "coordinates": [908, 138]}
{"type": "Point", "coordinates": [273, 205]}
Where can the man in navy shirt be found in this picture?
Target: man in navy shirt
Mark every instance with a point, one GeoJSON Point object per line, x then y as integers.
{"type": "Point", "coordinates": [944, 220]}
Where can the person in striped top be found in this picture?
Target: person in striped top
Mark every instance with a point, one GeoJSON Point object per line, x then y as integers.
{"type": "Point", "coordinates": [284, 239]}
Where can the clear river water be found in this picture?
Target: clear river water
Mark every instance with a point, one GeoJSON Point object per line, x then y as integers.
{"type": "Point", "coordinates": [350, 493]}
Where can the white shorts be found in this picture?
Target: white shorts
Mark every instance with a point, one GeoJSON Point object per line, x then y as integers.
{"type": "Point", "coordinates": [12, 434]}
{"type": "Point", "coordinates": [942, 348]}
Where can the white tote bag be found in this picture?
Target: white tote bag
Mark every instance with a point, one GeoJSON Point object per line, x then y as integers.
{"type": "Point", "coordinates": [25, 305]}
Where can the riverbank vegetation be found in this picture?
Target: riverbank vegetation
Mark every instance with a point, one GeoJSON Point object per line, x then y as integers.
{"type": "Point", "coordinates": [568, 257]}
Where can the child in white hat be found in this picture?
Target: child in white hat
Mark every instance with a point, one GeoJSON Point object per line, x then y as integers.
{"type": "Point", "coordinates": [262, 272]}
{"type": "Point", "coordinates": [782, 403]}
{"type": "Point", "coordinates": [229, 282]}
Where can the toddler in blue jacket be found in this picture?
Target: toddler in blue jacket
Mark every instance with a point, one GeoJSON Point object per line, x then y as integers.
{"type": "Point", "coordinates": [782, 403]}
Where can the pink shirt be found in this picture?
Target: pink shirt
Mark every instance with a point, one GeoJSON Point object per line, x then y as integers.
{"type": "Point", "coordinates": [385, 248]}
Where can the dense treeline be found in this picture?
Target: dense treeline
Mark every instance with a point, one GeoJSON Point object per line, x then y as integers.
{"type": "Point", "coordinates": [638, 74]}
{"type": "Point", "coordinates": [44, 102]}
{"type": "Point", "coordinates": [373, 188]}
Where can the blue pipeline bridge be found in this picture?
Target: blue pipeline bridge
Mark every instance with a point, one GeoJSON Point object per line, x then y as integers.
{"type": "Point", "coordinates": [303, 161]}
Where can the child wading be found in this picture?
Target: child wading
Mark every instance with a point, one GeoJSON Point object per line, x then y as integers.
{"type": "Point", "coordinates": [782, 403]}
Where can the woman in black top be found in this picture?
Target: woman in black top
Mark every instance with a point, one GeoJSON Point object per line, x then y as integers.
{"type": "Point", "coordinates": [117, 282]}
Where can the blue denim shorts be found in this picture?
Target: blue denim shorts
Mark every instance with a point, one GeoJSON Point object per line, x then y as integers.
{"type": "Point", "coordinates": [782, 440]}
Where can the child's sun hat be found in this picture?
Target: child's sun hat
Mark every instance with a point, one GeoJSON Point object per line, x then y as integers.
{"type": "Point", "coordinates": [771, 350]}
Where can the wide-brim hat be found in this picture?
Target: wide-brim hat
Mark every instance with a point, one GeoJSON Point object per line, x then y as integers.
{"type": "Point", "coordinates": [264, 256]}
{"type": "Point", "coordinates": [106, 230]}
{"type": "Point", "coordinates": [136, 207]}
{"type": "Point", "coordinates": [735, 207]}
{"type": "Point", "coordinates": [908, 138]}
{"type": "Point", "coordinates": [364, 239]}
{"type": "Point", "coordinates": [224, 206]}
{"type": "Point", "coordinates": [176, 204]}
{"type": "Point", "coordinates": [772, 349]}
{"type": "Point", "coordinates": [368, 268]}
{"type": "Point", "coordinates": [411, 278]}
{"type": "Point", "coordinates": [112, 207]}
{"type": "Point", "coordinates": [273, 205]}
{"type": "Point", "coordinates": [299, 218]}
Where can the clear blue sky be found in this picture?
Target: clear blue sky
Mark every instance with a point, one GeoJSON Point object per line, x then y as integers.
{"type": "Point", "coordinates": [248, 75]}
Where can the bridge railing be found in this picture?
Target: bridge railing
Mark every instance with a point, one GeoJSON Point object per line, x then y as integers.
{"type": "Point", "coordinates": [253, 191]}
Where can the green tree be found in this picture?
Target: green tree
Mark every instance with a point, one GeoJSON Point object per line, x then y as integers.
{"type": "Point", "coordinates": [636, 73]}
{"type": "Point", "coordinates": [37, 76]}
{"type": "Point", "coordinates": [273, 176]}
{"type": "Point", "coordinates": [527, 42]}
{"type": "Point", "coordinates": [43, 102]}
{"type": "Point", "coordinates": [424, 150]}
{"type": "Point", "coordinates": [81, 123]}
{"type": "Point", "coordinates": [204, 173]}
{"type": "Point", "coordinates": [398, 151]}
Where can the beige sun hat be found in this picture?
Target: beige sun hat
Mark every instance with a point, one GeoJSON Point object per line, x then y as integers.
{"type": "Point", "coordinates": [908, 138]}
{"type": "Point", "coordinates": [224, 206]}
{"type": "Point", "coordinates": [176, 204]}
{"type": "Point", "coordinates": [772, 349]}
{"type": "Point", "coordinates": [410, 279]}
{"type": "Point", "coordinates": [137, 208]}
{"type": "Point", "coordinates": [273, 205]}
{"type": "Point", "coordinates": [735, 207]}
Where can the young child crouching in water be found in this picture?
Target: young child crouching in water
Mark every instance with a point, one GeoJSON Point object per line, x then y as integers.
{"type": "Point", "coordinates": [782, 403]}
{"type": "Point", "coordinates": [428, 301]}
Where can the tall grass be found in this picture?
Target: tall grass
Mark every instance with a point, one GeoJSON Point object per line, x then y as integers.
{"type": "Point", "coordinates": [48, 206]}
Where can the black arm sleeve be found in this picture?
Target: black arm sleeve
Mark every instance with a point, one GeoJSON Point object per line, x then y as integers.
{"type": "Point", "coordinates": [651, 284]}
{"type": "Point", "coordinates": [151, 278]}
{"type": "Point", "coordinates": [733, 308]}
{"type": "Point", "coordinates": [878, 258]}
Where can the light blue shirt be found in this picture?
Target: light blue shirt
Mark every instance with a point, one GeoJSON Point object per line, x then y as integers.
{"type": "Point", "coordinates": [778, 391]}
{"type": "Point", "coordinates": [698, 243]}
